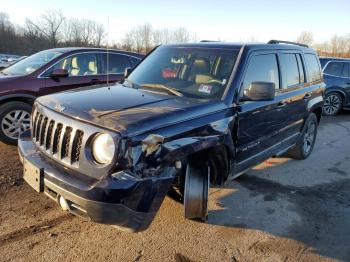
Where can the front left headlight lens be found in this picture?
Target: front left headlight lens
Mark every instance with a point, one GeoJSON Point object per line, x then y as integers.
{"type": "Point", "coordinates": [103, 149]}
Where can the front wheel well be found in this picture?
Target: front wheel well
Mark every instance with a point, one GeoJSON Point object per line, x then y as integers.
{"type": "Point", "coordinates": [342, 95]}
{"type": "Point", "coordinates": [27, 100]}
{"type": "Point", "coordinates": [218, 160]}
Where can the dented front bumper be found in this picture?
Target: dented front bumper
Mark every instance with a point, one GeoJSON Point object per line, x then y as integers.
{"type": "Point", "coordinates": [122, 199]}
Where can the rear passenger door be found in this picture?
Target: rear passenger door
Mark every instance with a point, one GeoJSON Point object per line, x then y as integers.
{"type": "Point", "coordinates": [294, 94]}
{"type": "Point", "coordinates": [113, 66]}
{"type": "Point", "coordinates": [337, 76]}
{"type": "Point", "coordinates": [260, 123]}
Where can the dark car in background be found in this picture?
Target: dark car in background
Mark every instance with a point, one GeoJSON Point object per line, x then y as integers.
{"type": "Point", "coordinates": [336, 74]}
{"type": "Point", "coordinates": [6, 60]}
{"type": "Point", "coordinates": [188, 115]}
{"type": "Point", "coordinates": [52, 71]}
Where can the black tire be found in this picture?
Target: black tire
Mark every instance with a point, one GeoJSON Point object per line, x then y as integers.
{"type": "Point", "coordinates": [333, 104]}
{"type": "Point", "coordinates": [308, 135]}
{"type": "Point", "coordinates": [5, 109]}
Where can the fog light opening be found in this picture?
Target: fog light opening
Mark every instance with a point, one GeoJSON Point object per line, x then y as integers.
{"type": "Point", "coordinates": [63, 203]}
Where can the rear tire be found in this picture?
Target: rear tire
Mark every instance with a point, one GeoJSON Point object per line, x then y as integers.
{"type": "Point", "coordinates": [14, 120]}
{"type": "Point", "coordinates": [306, 140]}
{"type": "Point", "coordinates": [333, 104]}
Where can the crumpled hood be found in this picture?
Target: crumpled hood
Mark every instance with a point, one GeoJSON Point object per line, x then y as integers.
{"type": "Point", "coordinates": [127, 110]}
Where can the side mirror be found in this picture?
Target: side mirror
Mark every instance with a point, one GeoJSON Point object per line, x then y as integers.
{"type": "Point", "coordinates": [260, 91]}
{"type": "Point", "coordinates": [58, 73]}
{"type": "Point", "coordinates": [127, 72]}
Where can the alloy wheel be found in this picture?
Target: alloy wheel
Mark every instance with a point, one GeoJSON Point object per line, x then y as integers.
{"type": "Point", "coordinates": [309, 137]}
{"type": "Point", "coordinates": [15, 123]}
{"type": "Point", "coordinates": [332, 104]}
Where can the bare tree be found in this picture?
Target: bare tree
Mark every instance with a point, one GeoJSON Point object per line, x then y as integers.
{"type": "Point", "coordinates": [305, 38]}
{"type": "Point", "coordinates": [98, 34]}
{"type": "Point", "coordinates": [48, 25]}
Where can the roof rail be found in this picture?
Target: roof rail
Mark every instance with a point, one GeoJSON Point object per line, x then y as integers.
{"type": "Point", "coordinates": [285, 42]}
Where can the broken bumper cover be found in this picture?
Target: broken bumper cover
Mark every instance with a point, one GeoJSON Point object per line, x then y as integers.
{"type": "Point", "coordinates": [125, 202]}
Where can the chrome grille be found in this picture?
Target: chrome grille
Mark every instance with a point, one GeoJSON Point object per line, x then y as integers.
{"type": "Point", "coordinates": [56, 139]}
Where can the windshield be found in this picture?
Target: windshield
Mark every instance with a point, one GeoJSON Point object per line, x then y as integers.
{"type": "Point", "coordinates": [192, 72]}
{"type": "Point", "coordinates": [31, 63]}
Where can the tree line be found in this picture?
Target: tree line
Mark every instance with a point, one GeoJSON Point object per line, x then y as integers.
{"type": "Point", "coordinates": [337, 46]}
{"type": "Point", "coordinates": [52, 29]}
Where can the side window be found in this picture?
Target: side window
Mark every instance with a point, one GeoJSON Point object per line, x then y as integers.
{"type": "Point", "coordinates": [313, 68]}
{"type": "Point", "coordinates": [347, 72]}
{"type": "Point", "coordinates": [134, 61]}
{"type": "Point", "coordinates": [262, 68]}
{"type": "Point", "coordinates": [337, 69]}
{"type": "Point", "coordinates": [290, 70]}
{"type": "Point", "coordinates": [116, 63]}
{"type": "Point", "coordinates": [78, 65]}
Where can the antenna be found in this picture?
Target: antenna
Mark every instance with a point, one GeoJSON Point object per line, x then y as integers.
{"type": "Point", "coordinates": [108, 51]}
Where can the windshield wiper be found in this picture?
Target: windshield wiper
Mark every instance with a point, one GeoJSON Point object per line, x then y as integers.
{"type": "Point", "coordinates": [3, 73]}
{"type": "Point", "coordinates": [170, 90]}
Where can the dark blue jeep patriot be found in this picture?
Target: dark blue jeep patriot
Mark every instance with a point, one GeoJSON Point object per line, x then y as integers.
{"type": "Point", "coordinates": [189, 115]}
{"type": "Point", "coordinates": [336, 74]}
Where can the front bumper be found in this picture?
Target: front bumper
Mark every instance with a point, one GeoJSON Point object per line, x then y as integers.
{"type": "Point", "coordinates": [129, 203]}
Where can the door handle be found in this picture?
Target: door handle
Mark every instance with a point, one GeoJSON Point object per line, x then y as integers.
{"type": "Point", "coordinates": [307, 95]}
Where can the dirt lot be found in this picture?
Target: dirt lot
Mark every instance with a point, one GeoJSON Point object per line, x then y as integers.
{"type": "Point", "coordinates": [282, 210]}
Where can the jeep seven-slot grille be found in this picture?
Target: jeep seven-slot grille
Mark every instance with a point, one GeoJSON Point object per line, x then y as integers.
{"type": "Point", "coordinates": [61, 142]}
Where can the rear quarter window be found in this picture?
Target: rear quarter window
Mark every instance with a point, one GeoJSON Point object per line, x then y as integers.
{"type": "Point", "coordinates": [313, 68]}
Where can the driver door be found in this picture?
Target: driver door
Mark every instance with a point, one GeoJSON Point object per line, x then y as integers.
{"type": "Point", "coordinates": [260, 123]}
{"type": "Point", "coordinates": [83, 70]}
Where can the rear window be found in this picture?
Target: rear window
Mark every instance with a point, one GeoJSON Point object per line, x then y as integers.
{"type": "Point", "coordinates": [337, 69]}
{"type": "Point", "coordinates": [116, 63]}
{"type": "Point", "coordinates": [313, 68]}
{"type": "Point", "coordinates": [291, 73]}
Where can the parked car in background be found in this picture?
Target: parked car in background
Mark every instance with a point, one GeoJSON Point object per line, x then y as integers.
{"type": "Point", "coordinates": [53, 71]}
{"type": "Point", "coordinates": [188, 115]}
{"type": "Point", "coordinates": [7, 60]}
{"type": "Point", "coordinates": [336, 74]}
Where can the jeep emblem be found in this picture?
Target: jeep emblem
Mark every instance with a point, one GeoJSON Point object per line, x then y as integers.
{"type": "Point", "coordinates": [59, 108]}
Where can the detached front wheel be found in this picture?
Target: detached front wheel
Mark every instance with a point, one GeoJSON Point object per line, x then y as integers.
{"type": "Point", "coordinates": [196, 192]}
{"type": "Point", "coordinates": [14, 120]}
{"type": "Point", "coordinates": [306, 140]}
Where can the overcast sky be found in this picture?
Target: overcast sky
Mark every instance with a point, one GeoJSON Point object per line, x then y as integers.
{"type": "Point", "coordinates": [216, 19]}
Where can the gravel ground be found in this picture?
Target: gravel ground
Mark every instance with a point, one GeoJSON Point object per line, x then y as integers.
{"type": "Point", "coordinates": [282, 210]}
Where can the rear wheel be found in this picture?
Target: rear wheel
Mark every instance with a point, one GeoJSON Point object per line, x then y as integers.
{"type": "Point", "coordinates": [306, 141]}
{"type": "Point", "coordinates": [332, 104]}
{"type": "Point", "coordinates": [14, 120]}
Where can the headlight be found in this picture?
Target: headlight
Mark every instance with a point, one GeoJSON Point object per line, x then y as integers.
{"type": "Point", "coordinates": [103, 148]}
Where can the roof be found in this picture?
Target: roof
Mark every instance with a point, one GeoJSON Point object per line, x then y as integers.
{"type": "Point", "coordinates": [334, 58]}
{"type": "Point", "coordinates": [86, 49]}
{"type": "Point", "coordinates": [227, 45]}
